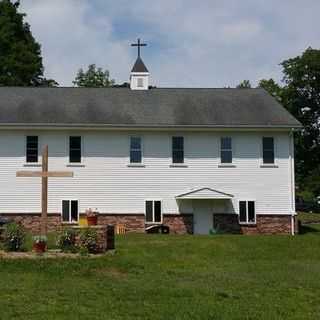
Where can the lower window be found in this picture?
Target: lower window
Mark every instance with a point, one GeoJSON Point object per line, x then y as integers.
{"type": "Point", "coordinates": [70, 211]}
{"type": "Point", "coordinates": [247, 212]}
{"type": "Point", "coordinates": [153, 211]}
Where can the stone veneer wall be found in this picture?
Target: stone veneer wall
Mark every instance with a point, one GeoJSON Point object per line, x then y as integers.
{"type": "Point", "coordinates": [132, 222]}
{"type": "Point", "coordinates": [31, 221]}
{"type": "Point", "coordinates": [179, 223]}
{"type": "Point", "coordinates": [265, 224]}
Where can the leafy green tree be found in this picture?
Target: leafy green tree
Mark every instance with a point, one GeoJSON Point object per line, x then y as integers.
{"type": "Point", "coordinates": [93, 77]}
{"type": "Point", "coordinates": [272, 87]}
{"type": "Point", "coordinates": [20, 55]}
{"type": "Point", "coordinates": [301, 96]}
{"type": "Point", "coordinates": [245, 84]}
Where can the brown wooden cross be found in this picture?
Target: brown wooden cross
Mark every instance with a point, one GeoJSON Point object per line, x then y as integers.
{"type": "Point", "coordinates": [44, 174]}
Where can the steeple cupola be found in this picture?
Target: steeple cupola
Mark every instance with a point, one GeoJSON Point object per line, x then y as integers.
{"type": "Point", "coordinates": [139, 77]}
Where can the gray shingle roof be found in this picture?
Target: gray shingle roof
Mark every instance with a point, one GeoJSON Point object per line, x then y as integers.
{"type": "Point", "coordinates": [139, 66]}
{"type": "Point", "coordinates": [150, 108]}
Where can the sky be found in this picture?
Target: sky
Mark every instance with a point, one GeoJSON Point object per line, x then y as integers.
{"type": "Point", "coordinates": [204, 43]}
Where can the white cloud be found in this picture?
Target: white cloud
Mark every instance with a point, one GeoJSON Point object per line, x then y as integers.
{"type": "Point", "coordinates": [199, 43]}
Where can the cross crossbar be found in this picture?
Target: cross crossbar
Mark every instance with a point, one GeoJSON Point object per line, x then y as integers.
{"type": "Point", "coordinates": [53, 174]}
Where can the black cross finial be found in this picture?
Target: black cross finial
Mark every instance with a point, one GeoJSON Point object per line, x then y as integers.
{"type": "Point", "coordinates": [139, 44]}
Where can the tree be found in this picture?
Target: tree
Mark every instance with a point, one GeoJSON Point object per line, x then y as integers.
{"type": "Point", "coordinates": [20, 55]}
{"type": "Point", "coordinates": [301, 96]}
{"type": "Point", "coordinates": [272, 87]}
{"type": "Point", "coordinates": [245, 84]}
{"type": "Point", "coordinates": [93, 77]}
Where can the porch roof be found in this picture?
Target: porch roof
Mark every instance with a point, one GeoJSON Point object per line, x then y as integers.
{"type": "Point", "coordinates": [205, 193]}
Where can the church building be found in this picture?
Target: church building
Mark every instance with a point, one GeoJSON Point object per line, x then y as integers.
{"type": "Point", "coordinates": [195, 160]}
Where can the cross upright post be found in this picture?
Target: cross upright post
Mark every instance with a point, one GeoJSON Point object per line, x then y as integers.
{"type": "Point", "coordinates": [44, 174]}
{"type": "Point", "coordinates": [139, 45]}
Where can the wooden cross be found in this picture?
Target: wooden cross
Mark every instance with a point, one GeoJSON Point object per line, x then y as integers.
{"type": "Point", "coordinates": [44, 175]}
{"type": "Point", "coordinates": [139, 45]}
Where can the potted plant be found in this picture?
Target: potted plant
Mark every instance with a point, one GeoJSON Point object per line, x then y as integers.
{"type": "Point", "coordinates": [40, 244]}
{"type": "Point", "coordinates": [92, 217]}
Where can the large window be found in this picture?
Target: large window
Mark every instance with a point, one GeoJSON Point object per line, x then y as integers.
{"type": "Point", "coordinates": [74, 149]}
{"type": "Point", "coordinates": [135, 150]}
{"type": "Point", "coordinates": [247, 212]}
{"type": "Point", "coordinates": [226, 150]}
{"type": "Point", "coordinates": [32, 149]}
{"type": "Point", "coordinates": [140, 82]}
{"type": "Point", "coordinates": [153, 211]}
{"type": "Point", "coordinates": [177, 150]}
{"type": "Point", "coordinates": [70, 211]}
{"type": "Point", "coordinates": [268, 149]}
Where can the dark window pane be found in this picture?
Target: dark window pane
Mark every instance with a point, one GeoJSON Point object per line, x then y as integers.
{"type": "Point", "coordinates": [177, 143]}
{"type": "Point", "coordinates": [226, 143]}
{"type": "Point", "coordinates": [157, 211]}
{"type": "Point", "coordinates": [268, 150]}
{"type": "Point", "coordinates": [149, 211]}
{"type": "Point", "coordinates": [251, 212]}
{"type": "Point", "coordinates": [135, 143]}
{"type": "Point", "coordinates": [226, 156]}
{"type": "Point", "coordinates": [75, 149]}
{"type": "Point", "coordinates": [135, 157]}
{"type": "Point", "coordinates": [65, 210]}
{"type": "Point", "coordinates": [243, 211]}
{"type": "Point", "coordinates": [32, 149]}
{"type": "Point", "coordinates": [74, 211]}
{"type": "Point", "coordinates": [177, 156]}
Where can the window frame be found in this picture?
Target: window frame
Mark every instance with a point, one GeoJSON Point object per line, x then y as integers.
{"type": "Point", "coordinates": [183, 150]}
{"type": "Point", "coordinates": [271, 164]}
{"type": "Point", "coordinates": [247, 222]}
{"type": "Point", "coordinates": [81, 150]}
{"type": "Point", "coordinates": [26, 150]}
{"type": "Point", "coordinates": [226, 163]}
{"type": "Point", "coordinates": [153, 200]}
{"type": "Point", "coordinates": [140, 82]}
{"type": "Point", "coordinates": [142, 151]}
{"type": "Point", "coordinates": [78, 214]}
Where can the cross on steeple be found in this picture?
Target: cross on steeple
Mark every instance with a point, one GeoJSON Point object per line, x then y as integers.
{"type": "Point", "coordinates": [139, 44]}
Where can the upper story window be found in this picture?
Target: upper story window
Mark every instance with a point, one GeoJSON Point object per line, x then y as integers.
{"type": "Point", "coordinates": [32, 149]}
{"type": "Point", "coordinates": [177, 150]}
{"type": "Point", "coordinates": [247, 212]}
{"type": "Point", "coordinates": [140, 82]}
{"type": "Point", "coordinates": [135, 150]}
{"type": "Point", "coordinates": [74, 149]}
{"type": "Point", "coordinates": [226, 150]}
{"type": "Point", "coordinates": [153, 211]}
{"type": "Point", "coordinates": [70, 211]}
{"type": "Point", "coordinates": [268, 149]}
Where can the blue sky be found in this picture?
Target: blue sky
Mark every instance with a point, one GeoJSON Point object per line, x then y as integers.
{"type": "Point", "coordinates": [204, 43]}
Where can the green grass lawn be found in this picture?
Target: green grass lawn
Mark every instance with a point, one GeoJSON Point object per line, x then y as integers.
{"type": "Point", "coordinates": [172, 277]}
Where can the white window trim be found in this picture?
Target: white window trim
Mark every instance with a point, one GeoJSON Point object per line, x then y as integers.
{"type": "Point", "coordinates": [255, 212]}
{"type": "Point", "coordinates": [226, 164]}
{"type": "Point", "coordinates": [140, 82]}
{"type": "Point", "coordinates": [275, 150]}
{"type": "Point", "coordinates": [75, 164]}
{"type": "Point", "coordinates": [70, 222]}
{"type": "Point", "coordinates": [32, 164]}
{"type": "Point", "coordinates": [183, 164]}
{"type": "Point", "coordinates": [136, 164]}
{"type": "Point", "coordinates": [145, 213]}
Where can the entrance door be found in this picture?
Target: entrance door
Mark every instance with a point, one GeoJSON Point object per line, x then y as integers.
{"type": "Point", "coordinates": [202, 216]}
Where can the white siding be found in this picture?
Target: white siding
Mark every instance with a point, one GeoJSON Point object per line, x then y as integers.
{"type": "Point", "coordinates": [106, 182]}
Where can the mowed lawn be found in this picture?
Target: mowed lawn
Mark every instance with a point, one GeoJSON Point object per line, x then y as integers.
{"type": "Point", "coordinates": [172, 277]}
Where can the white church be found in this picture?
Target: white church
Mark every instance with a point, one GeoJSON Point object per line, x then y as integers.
{"type": "Point", "coordinates": [194, 160]}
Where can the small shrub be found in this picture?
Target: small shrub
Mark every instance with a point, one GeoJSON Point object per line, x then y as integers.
{"type": "Point", "coordinates": [67, 240]}
{"type": "Point", "coordinates": [40, 239]}
{"type": "Point", "coordinates": [14, 237]}
{"type": "Point", "coordinates": [88, 240]}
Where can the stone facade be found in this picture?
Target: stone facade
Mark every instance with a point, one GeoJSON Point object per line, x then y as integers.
{"type": "Point", "coordinates": [179, 223]}
{"type": "Point", "coordinates": [265, 224]}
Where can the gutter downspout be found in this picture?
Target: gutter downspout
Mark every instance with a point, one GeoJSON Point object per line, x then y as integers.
{"type": "Point", "coordinates": [292, 178]}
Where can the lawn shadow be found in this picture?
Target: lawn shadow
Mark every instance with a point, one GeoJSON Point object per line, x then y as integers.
{"type": "Point", "coordinates": [309, 228]}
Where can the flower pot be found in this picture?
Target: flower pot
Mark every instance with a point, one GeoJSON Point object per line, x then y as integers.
{"type": "Point", "coordinates": [92, 221]}
{"type": "Point", "coordinates": [39, 247]}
